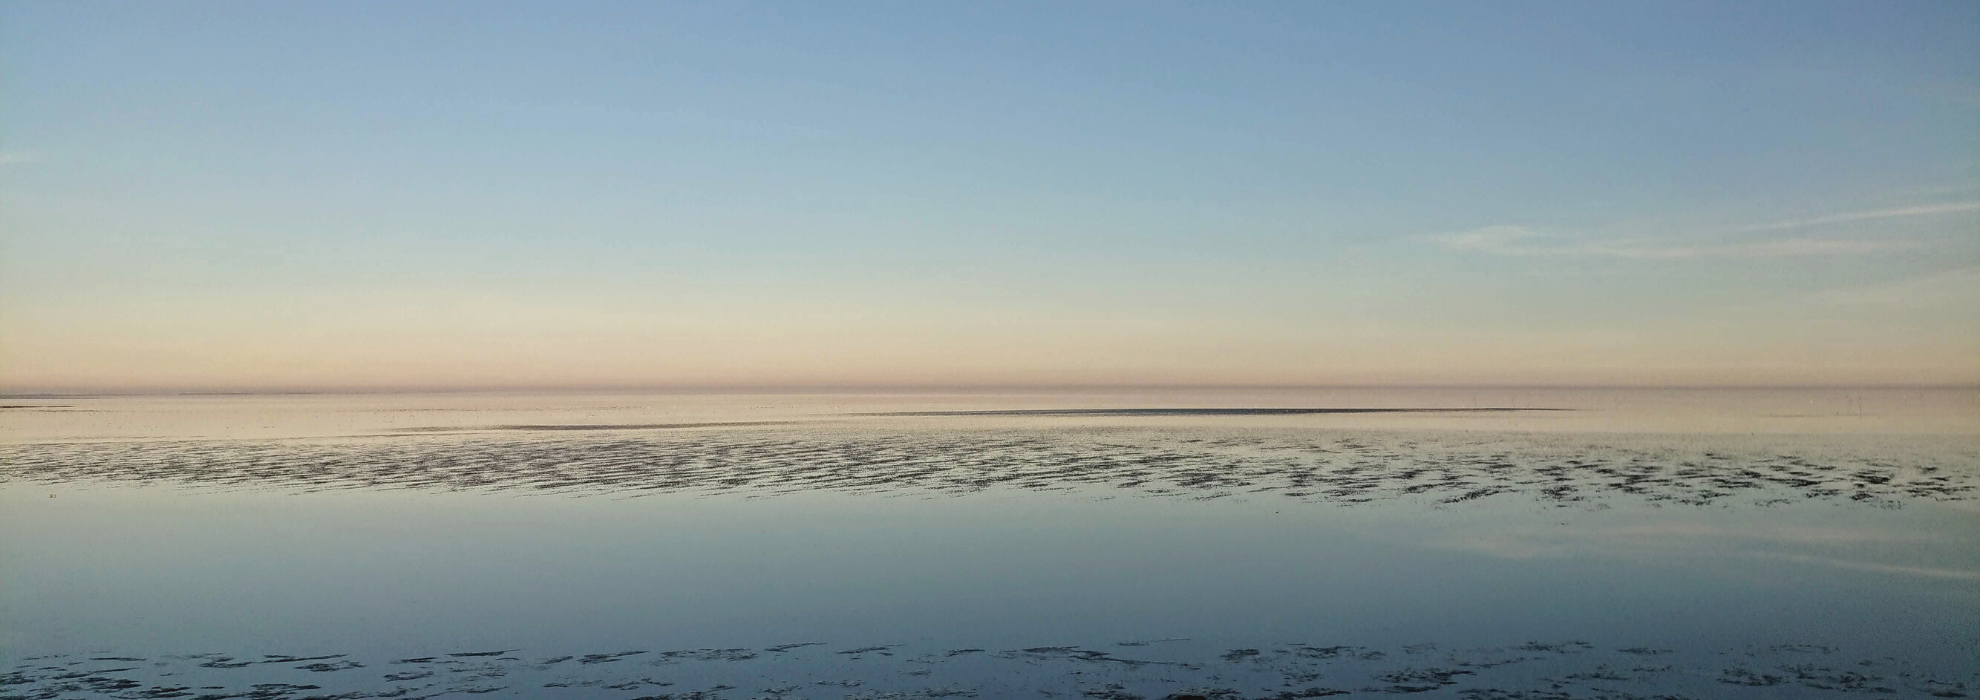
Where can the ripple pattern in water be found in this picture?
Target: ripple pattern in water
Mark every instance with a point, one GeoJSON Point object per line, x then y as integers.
{"type": "Point", "coordinates": [1175, 669]}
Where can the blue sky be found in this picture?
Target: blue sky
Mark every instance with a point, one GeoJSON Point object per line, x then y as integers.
{"type": "Point", "coordinates": [443, 194]}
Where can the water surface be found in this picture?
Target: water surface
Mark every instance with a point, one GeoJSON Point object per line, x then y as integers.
{"type": "Point", "coordinates": [1123, 544]}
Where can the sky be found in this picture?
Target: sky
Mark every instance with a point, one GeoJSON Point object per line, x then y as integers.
{"type": "Point", "coordinates": [376, 195]}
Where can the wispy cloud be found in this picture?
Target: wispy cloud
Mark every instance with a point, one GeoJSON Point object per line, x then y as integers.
{"type": "Point", "coordinates": [1505, 240]}
{"type": "Point", "coordinates": [1858, 216]}
{"type": "Point", "coordinates": [17, 158]}
{"type": "Point", "coordinates": [1518, 240]}
{"type": "Point", "coordinates": [1524, 241]}
{"type": "Point", "coordinates": [1778, 248]}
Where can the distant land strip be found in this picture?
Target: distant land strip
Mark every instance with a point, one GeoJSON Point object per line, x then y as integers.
{"type": "Point", "coordinates": [1198, 411]}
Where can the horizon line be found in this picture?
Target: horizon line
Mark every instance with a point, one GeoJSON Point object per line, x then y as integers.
{"type": "Point", "coordinates": [920, 388]}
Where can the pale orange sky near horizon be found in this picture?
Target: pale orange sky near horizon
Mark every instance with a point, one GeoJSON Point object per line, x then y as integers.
{"type": "Point", "coordinates": [468, 341]}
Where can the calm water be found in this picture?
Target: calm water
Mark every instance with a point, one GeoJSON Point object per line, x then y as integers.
{"type": "Point", "coordinates": [1637, 544]}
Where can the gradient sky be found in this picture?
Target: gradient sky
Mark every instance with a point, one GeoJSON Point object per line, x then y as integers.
{"type": "Point", "coordinates": [353, 194]}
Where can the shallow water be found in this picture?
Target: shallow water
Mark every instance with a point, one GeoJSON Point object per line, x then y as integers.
{"type": "Point", "coordinates": [1646, 543]}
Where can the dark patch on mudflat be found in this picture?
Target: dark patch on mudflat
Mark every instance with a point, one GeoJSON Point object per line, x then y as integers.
{"type": "Point", "coordinates": [1135, 412]}
{"type": "Point", "coordinates": [579, 427]}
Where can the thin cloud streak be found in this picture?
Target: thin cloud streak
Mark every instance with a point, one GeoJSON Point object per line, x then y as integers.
{"type": "Point", "coordinates": [1874, 215]}
{"type": "Point", "coordinates": [1783, 248]}
{"type": "Point", "coordinates": [1521, 241]}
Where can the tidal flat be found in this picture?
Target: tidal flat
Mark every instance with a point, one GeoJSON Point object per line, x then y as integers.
{"type": "Point", "coordinates": [1478, 544]}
